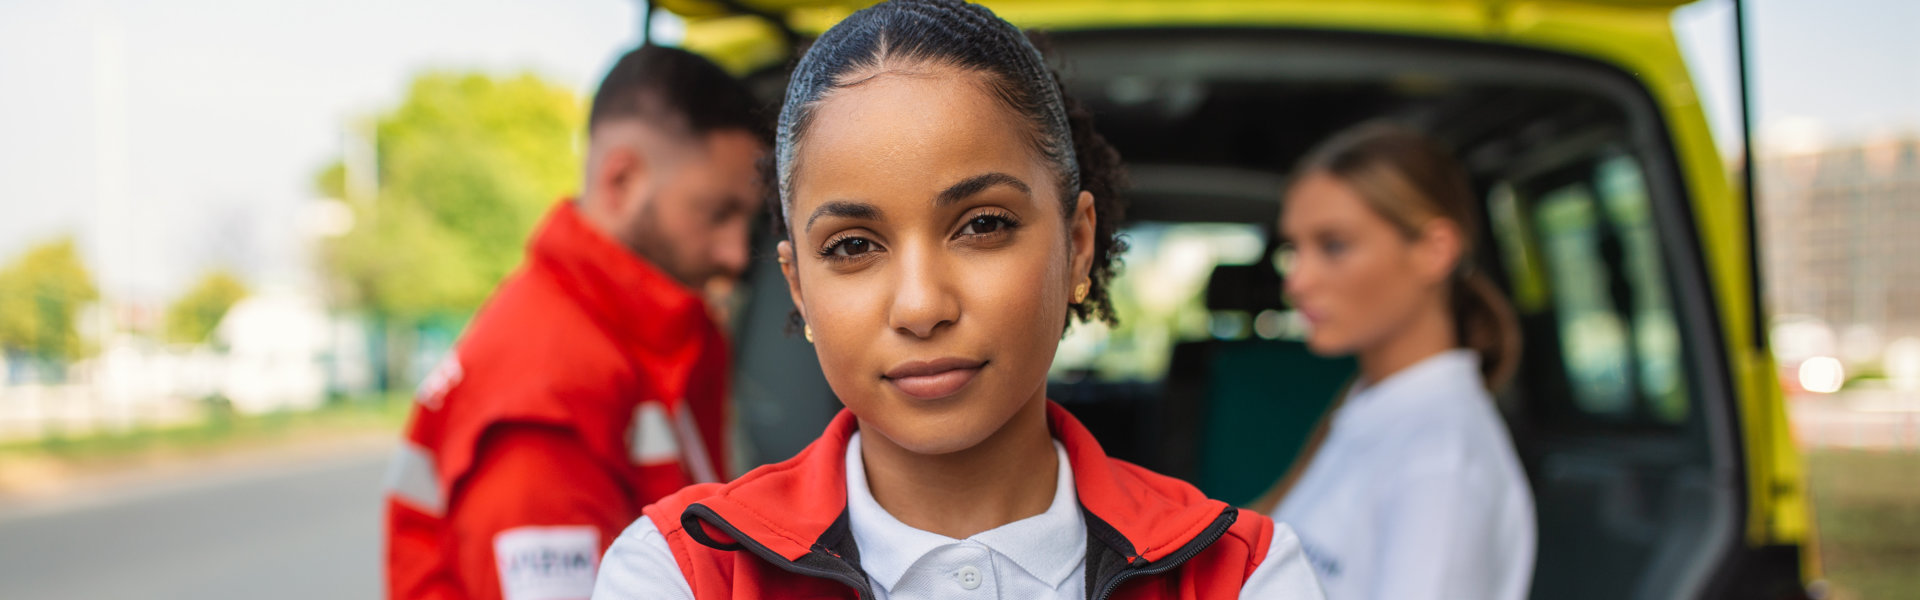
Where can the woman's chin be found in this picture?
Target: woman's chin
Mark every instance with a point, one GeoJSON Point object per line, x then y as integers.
{"type": "Point", "coordinates": [933, 433]}
{"type": "Point", "coordinates": [941, 426]}
{"type": "Point", "coordinates": [929, 439]}
{"type": "Point", "coordinates": [1326, 345]}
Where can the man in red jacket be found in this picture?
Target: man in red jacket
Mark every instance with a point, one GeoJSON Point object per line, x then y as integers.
{"type": "Point", "coordinates": [593, 382]}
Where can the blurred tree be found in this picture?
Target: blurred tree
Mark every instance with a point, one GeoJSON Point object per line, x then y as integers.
{"type": "Point", "coordinates": [41, 295]}
{"type": "Point", "coordinates": [466, 165]}
{"type": "Point", "coordinates": [194, 316]}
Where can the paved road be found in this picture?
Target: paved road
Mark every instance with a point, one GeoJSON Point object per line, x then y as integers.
{"type": "Point", "coordinates": [306, 528]}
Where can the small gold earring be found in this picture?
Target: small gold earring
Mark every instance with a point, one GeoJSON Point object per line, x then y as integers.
{"type": "Point", "coordinates": [1080, 293]}
{"type": "Point", "coordinates": [808, 330]}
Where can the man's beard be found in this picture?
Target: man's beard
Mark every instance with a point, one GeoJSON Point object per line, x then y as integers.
{"type": "Point", "coordinates": [649, 240]}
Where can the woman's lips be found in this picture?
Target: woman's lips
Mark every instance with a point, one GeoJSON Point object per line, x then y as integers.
{"type": "Point", "coordinates": [932, 379]}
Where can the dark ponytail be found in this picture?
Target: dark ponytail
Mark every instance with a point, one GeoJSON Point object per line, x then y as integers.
{"type": "Point", "coordinates": [1408, 179]}
{"type": "Point", "coordinates": [903, 33]}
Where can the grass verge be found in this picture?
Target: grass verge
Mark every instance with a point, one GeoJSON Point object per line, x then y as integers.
{"type": "Point", "coordinates": [1867, 508]}
{"type": "Point", "coordinates": [26, 465]}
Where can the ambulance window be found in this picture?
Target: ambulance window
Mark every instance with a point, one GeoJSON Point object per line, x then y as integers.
{"type": "Point", "coordinates": [1656, 335]}
{"type": "Point", "coordinates": [1160, 299]}
{"type": "Point", "coordinates": [1610, 302]}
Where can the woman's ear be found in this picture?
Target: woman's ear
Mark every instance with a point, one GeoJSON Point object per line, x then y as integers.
{"type": "Point", "coordinates": [1080, 233]}
{"type": "Point", "coordinates": [1439, 250]}
{"type": "Point", "coordinates": [790, 269]}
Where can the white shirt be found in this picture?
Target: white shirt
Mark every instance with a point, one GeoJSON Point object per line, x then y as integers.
{"type": "Point", "coordinates": [1039, 557]}
{"type": "Point", "coordinates": [1416, 492]}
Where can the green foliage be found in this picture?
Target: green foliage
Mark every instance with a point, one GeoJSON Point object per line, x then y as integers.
{"type": "Point", "coordinates": [193, 317]}
{"type": "Point", "coordinates": [41, 295]}
{"type": "Point", "coordinates": [467, 165]}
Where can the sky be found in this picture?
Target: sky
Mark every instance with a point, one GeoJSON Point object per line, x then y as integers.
{"type": "Point", "coordinates": [174, 137]}
{"type": "Point", "coordinates": [1823, 72]}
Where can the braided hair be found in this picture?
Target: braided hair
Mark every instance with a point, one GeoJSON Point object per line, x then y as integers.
{"type": "Point", "coordinates": [971, 38]}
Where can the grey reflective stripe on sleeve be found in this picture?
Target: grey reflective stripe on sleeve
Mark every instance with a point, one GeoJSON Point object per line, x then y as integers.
{"type": "Point", "coordinates": [699, 465]}
{"type": "Point", "coordinates": [414, 478]}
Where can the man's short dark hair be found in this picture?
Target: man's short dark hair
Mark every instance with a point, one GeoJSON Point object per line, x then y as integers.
{"type": "Point", "coordinates": [670, 85]}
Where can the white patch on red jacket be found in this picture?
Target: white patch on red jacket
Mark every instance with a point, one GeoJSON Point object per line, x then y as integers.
{"type": "Point", "coordinates": [547, 562]}
{"type": "Point", "coordinates": [657, 438]}
{"type": "Point", "coordinates": [650, 438]}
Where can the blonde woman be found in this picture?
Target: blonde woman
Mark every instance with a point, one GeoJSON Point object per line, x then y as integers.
{"type": "Point", "coordinates": [1414, 490]}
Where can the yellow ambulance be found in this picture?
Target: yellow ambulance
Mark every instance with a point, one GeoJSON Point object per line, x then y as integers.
{"type": "Point", "coordinates": [1647, 412]}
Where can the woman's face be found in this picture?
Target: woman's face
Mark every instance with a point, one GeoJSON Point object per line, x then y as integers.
{"type": "Point", "coordinates": [930, 256]}
{"type": "Point", "coordinates": [1356, 277]}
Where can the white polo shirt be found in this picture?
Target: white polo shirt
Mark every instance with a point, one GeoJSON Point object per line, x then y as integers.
{"type": "Point", "coordinates": [1039, 557]}
{"type": "Point", "coordinates": [1417, 492]}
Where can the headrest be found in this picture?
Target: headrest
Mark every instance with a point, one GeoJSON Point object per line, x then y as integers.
{"type": "Point", "coordinates": [1249, 288]}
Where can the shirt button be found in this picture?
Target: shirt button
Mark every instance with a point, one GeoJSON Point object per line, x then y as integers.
{"type": "Point", "coordinates": [967, 577]}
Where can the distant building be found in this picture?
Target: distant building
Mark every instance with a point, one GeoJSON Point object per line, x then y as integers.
{"type": "Point", "coordinates": [276, 343]}
{"type": "Point", "coordinates": [1840, 235]}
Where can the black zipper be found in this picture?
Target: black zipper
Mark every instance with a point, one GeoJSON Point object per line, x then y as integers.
{"type": "Point", "coordinates": [1179, 557]}
{"type": "Point", "coordinates": [701, 512]}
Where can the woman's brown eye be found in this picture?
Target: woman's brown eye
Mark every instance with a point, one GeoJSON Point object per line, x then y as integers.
{"type": "Point", "coordinates": [852, 247]}
{"type": "Point", "coordinates": [983, 224]}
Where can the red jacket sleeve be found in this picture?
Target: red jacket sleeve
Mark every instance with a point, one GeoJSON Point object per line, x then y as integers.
{"type": "Point", "coordinates": [534, 515]}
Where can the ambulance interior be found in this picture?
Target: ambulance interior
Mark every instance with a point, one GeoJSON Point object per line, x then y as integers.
{"type": "Point", "coordinates": [1622, 409]}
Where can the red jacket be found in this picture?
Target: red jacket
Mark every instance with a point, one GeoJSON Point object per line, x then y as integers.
{"type": "Point", "coordinates": [781, 531]}
{"type": "Point", "coordinates": [590, 385]}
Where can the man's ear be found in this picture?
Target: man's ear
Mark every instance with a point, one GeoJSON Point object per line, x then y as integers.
{"type": "Point", "coordinates": [790, 268]}
{"type": "Point", "coordinates": [1080, 234]}
{"type": "Point", "coordinates": [619, 177]}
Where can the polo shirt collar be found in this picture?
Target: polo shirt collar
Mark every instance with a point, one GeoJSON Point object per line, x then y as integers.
{"type": "Point", "coordinates": [1432, 379]}
{"type": "Point", "coordinates": [1048, 546]}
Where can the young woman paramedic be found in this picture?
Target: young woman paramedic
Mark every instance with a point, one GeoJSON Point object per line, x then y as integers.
{"type": "Point", "coordinates": [946, 215]}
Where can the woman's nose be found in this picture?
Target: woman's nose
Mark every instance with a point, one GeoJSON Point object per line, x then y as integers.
{"type": "Point", "coordinates": [1299, 276]}
{"type": "Point", "coordinates": [923, 301]}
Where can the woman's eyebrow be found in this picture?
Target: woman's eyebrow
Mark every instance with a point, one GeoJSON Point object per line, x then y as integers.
{"type": "Point", "coordinates": [844, 208]}
{"type": "Point", "coordinates": [979, 183]}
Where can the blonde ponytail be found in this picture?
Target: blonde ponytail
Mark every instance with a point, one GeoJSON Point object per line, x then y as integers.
{"type": "Point", "coordinates": [1485, 322]}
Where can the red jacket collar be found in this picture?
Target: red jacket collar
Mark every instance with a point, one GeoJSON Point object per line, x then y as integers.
{"type": "Point", "coordinates": [789, 506]}
{"type": "Point", "coordinates": [631, 298]}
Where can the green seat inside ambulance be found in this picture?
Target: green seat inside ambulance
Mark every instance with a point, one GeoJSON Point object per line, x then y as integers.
{"type": "Point", "coordinates": [1252, 402]}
